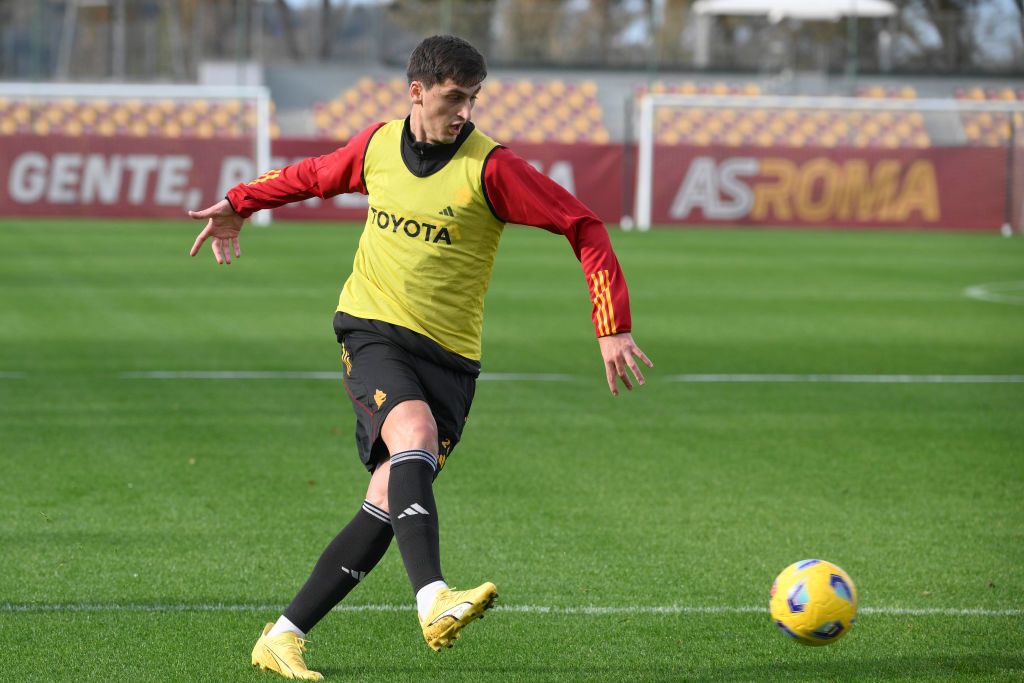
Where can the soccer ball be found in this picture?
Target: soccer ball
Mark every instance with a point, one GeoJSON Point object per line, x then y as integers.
{"type": "Point", "coordinates": [814, 602]}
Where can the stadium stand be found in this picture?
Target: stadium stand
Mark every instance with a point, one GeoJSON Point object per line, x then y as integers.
{"type": "Point", "coordinates": [140, 118]}
{"type": "Point", "coordinates": [539, 109]}
{"type": "Point", "coordinates": [523, 110]}
{"type": "Point", "coordinates": [985, 129]}
{"type": "Point", "coordinates": [786, 128]}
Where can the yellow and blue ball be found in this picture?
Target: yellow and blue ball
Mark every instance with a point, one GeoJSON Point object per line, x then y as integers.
{"type": "Point", "coordinates": [814, 602]}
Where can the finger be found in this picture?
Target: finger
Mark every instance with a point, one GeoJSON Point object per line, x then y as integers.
{"type": "Point", "coordinates": [609, 369]}
{"type": "Point", "coordinates": [620, 368]}
{"type": "Point", "coordinates": [238, 252]}
{"type": "Point", "coordinates": [198, 243]}
{"type": "Point", "coordinates": [225, 245]}
{"type": "Point", "coordinates": [643, 356]}
{"type": "Point", "coordinates": [636, 370]}
{"type": "Point", "coordinates": [215, 245]}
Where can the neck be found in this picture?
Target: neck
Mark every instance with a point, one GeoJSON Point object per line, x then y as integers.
{"type": "Point", "coordinates": [416, 129]}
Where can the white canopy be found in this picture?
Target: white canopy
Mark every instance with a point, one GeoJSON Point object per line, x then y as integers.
{"type": "Point", "coordinates": [777, 10]}
{"type": "Point", "coordinates": [824, 10]}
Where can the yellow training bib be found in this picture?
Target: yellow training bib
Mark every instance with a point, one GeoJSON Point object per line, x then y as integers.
{"type": "Point", "coordinates": [426, 253]}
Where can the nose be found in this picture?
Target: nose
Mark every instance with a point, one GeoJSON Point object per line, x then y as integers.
{"type": "Point", "coordinates": [466, 110]}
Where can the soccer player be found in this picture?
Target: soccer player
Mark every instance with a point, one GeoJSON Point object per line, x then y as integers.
{"type": "Point", "coordinates": [409, 321]}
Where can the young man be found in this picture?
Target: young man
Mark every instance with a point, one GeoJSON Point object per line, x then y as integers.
{"type": "Point", "coordinates": [409, 321]}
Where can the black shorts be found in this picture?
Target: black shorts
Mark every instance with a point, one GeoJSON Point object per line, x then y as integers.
{"type": "Point", "coordinates": [381, 370]}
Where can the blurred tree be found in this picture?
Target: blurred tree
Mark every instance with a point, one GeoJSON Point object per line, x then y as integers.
{"type": "Point", "coordinates": [944, 35]}
{"type": "Point", "coordinates": [668, 37]}
{"type": "Point", "coordinates": [330, 19]}
{"type": "Point", "coordinates": [291, 41]}
{"type": "Point", "coordinates": [468, 19]}
{"type": "Point", "coordinates": [528, 29]}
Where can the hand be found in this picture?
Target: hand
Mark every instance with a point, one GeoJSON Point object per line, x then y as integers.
{"type": "Point", "coordinates": [619, 351]}
{"type": "Point", "coordinates": [222, 226]}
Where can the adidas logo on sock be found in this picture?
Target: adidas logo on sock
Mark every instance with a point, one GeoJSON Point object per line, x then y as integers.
{"type": "Point", "coordinates": [358, 576]}
{"type": "Point", "coordinates": [447, 211]}
{"type": "Point", "coordinates": [414, 509]}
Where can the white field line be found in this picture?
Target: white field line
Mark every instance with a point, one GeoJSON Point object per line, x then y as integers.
{"type": "Point", "coordinates": [227, 374]}
{"type": "Point", "coordinates": [554, 377]}
{"type": "Point", "coordinates": [997, 292]}
{"type": "Point", "coordinates": [557, 377]}
{"type": "Point", "coordinates": [855, 379]}
{"type": "Point", "coordinates": [527, 609]}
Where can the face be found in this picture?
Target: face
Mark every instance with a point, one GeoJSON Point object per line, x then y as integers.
{"type": "Point", "coordinates": [439, 112]}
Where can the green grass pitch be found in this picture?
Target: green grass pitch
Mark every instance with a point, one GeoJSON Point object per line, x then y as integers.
{"type": "Point", "coordinates": [151, 525]}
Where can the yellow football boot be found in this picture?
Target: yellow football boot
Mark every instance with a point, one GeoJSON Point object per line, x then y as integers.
{"type": "Point", "coordinates": [454, 609]}
{"type": "Point", "coordinates": [283, 654]}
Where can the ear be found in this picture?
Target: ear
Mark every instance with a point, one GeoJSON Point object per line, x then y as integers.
{"type": "Point", "coordinates": [416, 92]}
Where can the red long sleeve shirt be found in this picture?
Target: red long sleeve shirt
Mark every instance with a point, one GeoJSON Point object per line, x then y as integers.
{"type": "Point", "coordinates": [517, 193]}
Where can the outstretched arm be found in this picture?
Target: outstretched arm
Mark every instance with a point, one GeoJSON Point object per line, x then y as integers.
{"type": "Point", "coordinates": [620, 352]}
{"type": "Point", "coordinates": [520, 194]}
{"type": "Point", "coordinates": [222, 228]}
{"type": "Point", "coordinates": [323, 176]}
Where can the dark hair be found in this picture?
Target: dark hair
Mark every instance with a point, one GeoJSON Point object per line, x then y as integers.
{"type": "Point", "coordinates": [438, 58]}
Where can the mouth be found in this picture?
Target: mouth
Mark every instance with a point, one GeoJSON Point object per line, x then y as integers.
{"type": "Point", "coordinates": [455, 128]}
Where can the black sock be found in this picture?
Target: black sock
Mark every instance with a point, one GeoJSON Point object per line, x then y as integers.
{"type": "Point", "coordinates": [343, 564]}
{"type": "Point", "coordinates": [414, 515]}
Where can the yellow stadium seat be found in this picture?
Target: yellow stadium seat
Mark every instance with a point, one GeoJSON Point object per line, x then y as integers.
{"type": "Point", "coordinates": [342, 131]}
{"type": "Point", "coordinates": [221, 117]}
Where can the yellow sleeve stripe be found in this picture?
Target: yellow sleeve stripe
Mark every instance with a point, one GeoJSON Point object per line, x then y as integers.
{"type": "Point", "coordinates": [604, 312]}
{"type": "Point", "coordinates": [269, 175]}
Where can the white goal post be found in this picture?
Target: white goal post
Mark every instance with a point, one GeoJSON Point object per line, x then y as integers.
{"type": "Point", "coordinates": [650, 104]}
{"type": "Point", "coordinates": [259, 96]}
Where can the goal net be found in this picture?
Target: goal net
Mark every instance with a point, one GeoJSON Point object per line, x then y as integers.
{"type": "Point", "coordinates": [123, 150]}
{"type": "Point", "coordinates": [829, 161]}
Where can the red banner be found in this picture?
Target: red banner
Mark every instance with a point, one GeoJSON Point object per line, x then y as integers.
{"type": "Point", "coordinates": [941, 187]}
{"type": "Point", "coordinates": [162, 177]}
{"type": "Point", "coordinates": [952, 188]}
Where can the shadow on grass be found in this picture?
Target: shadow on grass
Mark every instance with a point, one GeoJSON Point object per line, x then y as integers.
{"type": "Point", "coordinates": [951, 667]}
